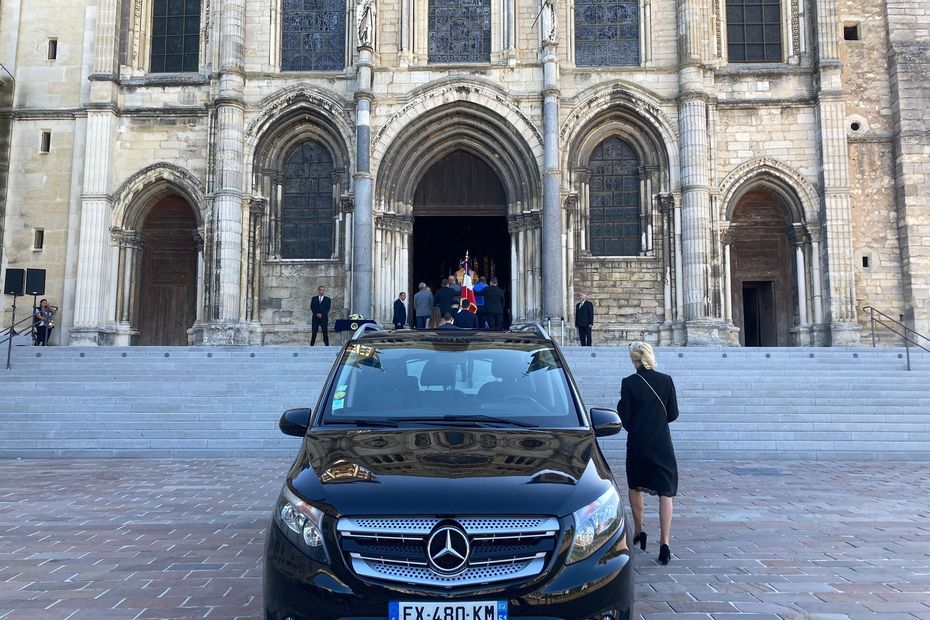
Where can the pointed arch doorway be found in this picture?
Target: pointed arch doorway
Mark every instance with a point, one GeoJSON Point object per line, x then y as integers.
{"type": "Point", "coordinates": [460, 206]}
{"type": "Point", "coordinates": [764, 296]}
{"type": "Point", "coordinates": [168, 275]}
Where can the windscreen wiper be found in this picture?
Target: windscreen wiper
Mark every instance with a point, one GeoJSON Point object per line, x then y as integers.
{"type": "Point", "coordinates": [363, 422]}
{"type": "Point", "coordinates": [464, 420]}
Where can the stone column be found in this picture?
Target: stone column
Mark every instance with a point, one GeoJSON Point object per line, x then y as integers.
{"type": "Point", "coordinates": [836, 205]}
{"type": "Point", "coordinates": [702, 325]}
{"type": "Point", "coordinates": [228, 178]}
{"type": "Point", "coordinates": [726, 239]}
{"type": "Point", "coordinates": [553, 299]}
{"type": "Point", "coordinates": [257, 209]}
{"type": "Point", "coordinates": [909, 64]}
{"type": "Point", "coordinates": [363, 221]}
{"type": "Point", "coordinates": [92, 288]}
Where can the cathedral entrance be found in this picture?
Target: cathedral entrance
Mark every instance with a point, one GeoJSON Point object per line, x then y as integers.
{"type": "Point", "coordinates": [440, 243]}
{"type": "Point", "coordinates": [168, 280]}
{"type": "Point", "coordinates": [764, 296]}
{"type": "Point", "coordinates": [460, 206]}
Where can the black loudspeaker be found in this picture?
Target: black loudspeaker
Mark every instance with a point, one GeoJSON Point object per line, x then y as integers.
{"type": "Point", "coordinates": [15, 282]}
{"type": "Point", "coordinates": [35, 282]}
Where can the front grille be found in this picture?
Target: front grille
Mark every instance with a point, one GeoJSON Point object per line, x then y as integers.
{"type": "Point", "coordinates": [395, 549]}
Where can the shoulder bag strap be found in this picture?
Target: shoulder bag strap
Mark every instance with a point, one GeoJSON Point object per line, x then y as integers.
{"type": "Point", "coordinates": [661, 402]}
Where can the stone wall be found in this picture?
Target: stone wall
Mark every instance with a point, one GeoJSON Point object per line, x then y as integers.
{"type": "Point", "coordinates": [757, 113]}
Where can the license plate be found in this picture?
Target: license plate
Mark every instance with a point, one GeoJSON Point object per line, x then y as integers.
{"type": "Point", "coordinates": [473, 610]}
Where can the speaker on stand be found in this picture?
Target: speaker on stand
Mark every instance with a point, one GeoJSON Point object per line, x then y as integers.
{"type": "Point", "coordinates": [13, 284]}
{"type": "Point", "coordinates": [35, 286]}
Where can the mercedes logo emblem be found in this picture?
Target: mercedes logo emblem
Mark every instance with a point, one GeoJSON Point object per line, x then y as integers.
{"type": "Point", "coordinates": [448, 550]}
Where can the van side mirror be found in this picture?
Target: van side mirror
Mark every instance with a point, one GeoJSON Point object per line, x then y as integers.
{"type": "Point", "coordinates": [295, 422]}
{"type": "Point", "coordinates": [606, 422]}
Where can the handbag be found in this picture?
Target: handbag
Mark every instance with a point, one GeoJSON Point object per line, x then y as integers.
{"type": "Point", "coordinates": [661, 402]}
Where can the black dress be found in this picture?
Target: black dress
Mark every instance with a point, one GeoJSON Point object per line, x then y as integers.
{"type": "Point", "coordinates": [650, 458]}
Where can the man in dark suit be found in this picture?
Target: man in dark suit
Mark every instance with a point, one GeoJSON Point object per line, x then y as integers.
{"type": "Point", "coordinates": [447, 321]}
{"type": "Point", "coordinates": [584, 319]}
{"type": "Point", "coordinates": [493, 305]}
{"type": "Point", "coordinates": [319, 306]}
{"type": "Point", "coordinates": [461, 317]}
{"type": "Point", "coordinates": [400, 311]}
{"type": "Point", "coordinates": [445, 296]}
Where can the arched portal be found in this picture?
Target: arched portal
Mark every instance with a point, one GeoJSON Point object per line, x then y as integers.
{"type": "Point", "coordinates": [764, 295]}
{"type": "Point", "coordinates": [458, 177]}
{"type": "Point", "coordinates": [167, 284]}
{"type": "Point", "coordinates": [460, 206]}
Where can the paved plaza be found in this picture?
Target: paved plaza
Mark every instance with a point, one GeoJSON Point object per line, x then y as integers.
{"type": "Point", "coordinates": [128, 539]}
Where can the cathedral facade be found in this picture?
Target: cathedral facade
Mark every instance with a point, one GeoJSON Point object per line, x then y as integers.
{"type": "Point", "coordinates": [746, 172]}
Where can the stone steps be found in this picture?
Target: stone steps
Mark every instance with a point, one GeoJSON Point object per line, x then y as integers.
{"type": "Point", "coordinates": [202, 402]}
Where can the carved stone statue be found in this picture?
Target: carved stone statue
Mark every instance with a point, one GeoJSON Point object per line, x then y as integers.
{"type": "Point", "coordinates": [547, 21]}
{"type": "Point", "coordinates": [365, 22]}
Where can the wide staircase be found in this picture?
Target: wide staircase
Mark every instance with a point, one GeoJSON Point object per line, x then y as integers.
{"type": "Point", "coordinates": [204, 402]}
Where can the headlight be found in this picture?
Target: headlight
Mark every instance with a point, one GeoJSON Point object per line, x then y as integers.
{"type": "Point", "coordinates": [595, 524]}
{"type": "Point", "coordinates": [302, 524]}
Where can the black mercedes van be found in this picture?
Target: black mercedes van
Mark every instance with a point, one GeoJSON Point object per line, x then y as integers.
{"type": "Point", "coordinates": [449, 475]}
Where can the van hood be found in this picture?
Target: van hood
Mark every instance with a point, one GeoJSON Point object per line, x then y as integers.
{"type": "Point", "coordinates": [446, 472]}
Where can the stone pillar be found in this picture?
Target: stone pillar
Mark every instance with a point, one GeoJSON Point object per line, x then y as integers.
{"type": "Point", "coordinates": [836, 205]}
{"type": "Point", "coordinates": [92, 321]}
{"type": "Point", "coordinates": [702, 324]}
{"type": "Point", "coordinates": [553, 299]}
{"type": "Point", "coordinates": [228, 178]}
{"type": "Point", "coordinates": [909, 63]}
{"type": "Point", "coordinates": [363, 220]}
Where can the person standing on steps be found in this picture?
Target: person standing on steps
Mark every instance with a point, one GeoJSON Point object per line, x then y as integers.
{"type": "Point", "coordinates": [319, 307]}
{"type": "Point", "coordinates": [584, 319]}
{"type": "Point", "coordinates": [422, 306]}
{"type": "Point", "coordinates": [647, 405]}
{"type": "Point", "coordinates": [400, 311]}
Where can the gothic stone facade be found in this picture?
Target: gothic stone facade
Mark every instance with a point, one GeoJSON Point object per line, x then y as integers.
{"type": "Point", "coordinates": [708, 171]}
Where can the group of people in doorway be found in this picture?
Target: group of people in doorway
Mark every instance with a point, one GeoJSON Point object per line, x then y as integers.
{"type": "Point", "coordinates": [445, 310]}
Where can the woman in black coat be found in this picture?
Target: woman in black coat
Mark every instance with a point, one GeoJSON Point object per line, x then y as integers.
{"type": "Point", "coordinates": [647, 405]}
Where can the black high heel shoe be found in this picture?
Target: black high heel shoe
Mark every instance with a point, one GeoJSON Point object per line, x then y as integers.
{"type": "Point", "coordinates": [665, 554]}
{"type": "Point", "coordinates": [641, 539]}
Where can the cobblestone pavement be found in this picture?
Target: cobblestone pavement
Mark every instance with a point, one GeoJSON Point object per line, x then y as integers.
{"type": "Point", "coordinates": [183, 539]}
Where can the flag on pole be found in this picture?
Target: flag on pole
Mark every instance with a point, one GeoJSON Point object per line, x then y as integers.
{"type": "Point", "coordinates": [468, 290]}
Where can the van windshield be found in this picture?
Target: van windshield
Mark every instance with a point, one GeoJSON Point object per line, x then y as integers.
{"type": "Point", "coordinates": [449, 380]}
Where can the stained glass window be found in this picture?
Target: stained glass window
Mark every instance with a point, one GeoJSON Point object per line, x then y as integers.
{"type": "Point", "coordinates": [459, 30]}
{"type": "Point", "coordinates": [606, 33]}
{"type": "Point", "coordinates": [614, 194]}
{"type": "Point", "coordinates": [313, 35]}
{"type": "Point", "coordinates": [754, 31]}
{"type": "Point", "coordinates": [175, 36]}
{"type": "Point", "coordinates": [307, 209]}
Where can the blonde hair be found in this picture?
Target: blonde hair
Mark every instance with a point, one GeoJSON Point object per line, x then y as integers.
{"type": "Point", "coordinates": [642, 352]}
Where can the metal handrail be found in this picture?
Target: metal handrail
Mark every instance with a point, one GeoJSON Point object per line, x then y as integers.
{"type": "Point", "coordinates": [892, 328]}
{"type": "Point", "coordinates": [6, 330]}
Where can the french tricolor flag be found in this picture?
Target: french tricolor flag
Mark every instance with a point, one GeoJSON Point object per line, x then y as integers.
{"type": "Point", "coordinates": [468, 290]}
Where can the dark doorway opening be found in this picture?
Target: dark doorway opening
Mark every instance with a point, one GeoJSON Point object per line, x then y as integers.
{"type": "Point", "coordinates": [168, 282]}
{"type": "Point", "coordinates": [759, 328]}
{"type": "Point", "coordinates": [440, 243]}
{"type": "Point", "coordinates": [460, 205]}
{"type": "Point", "coordinates": [764, 295]}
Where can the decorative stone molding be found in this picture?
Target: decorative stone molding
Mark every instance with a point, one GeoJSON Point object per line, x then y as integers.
{"type": "Point", "coordinates": [346, 204]}
{"type": "Point", "coordinates": [297, 96]}
{"type": "Point", "coordinates": [136, 193]}
{"type": "Point", "coordinates": [804, 204]}
{"type": "Point", "coordinates": [624, 94]}
{"type": "Point", "coordinates": [617, 109]}
{"type": "Point", "coordinates": [666, 202]}
{"type": "Point", "coordinates": [394, 222]}
{"type": "Point", "coordinates": [453, 90]}
{"type": "Point", "coordinates": [257, 206]}
{"type": "Point", "coordinates": [524, 221]}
